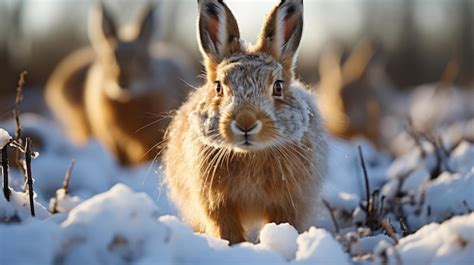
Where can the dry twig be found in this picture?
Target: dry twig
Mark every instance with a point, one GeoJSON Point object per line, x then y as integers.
{"type": "Point", "coordinates": [28, 174]}
{"type": "Point", "coordinates": [333, 218]}
{"type": "Point", "coordinates": [403, 227]}
{"type": "Point", "coordinates": [6, 189]}
{"type": "Point", "coordinates": [67, 177]}
{"type": "Point", "coordinates": [389, 229]}
{"type": "Point", "coordinates": [416, 137]}
{"type": "Point", "coordinates": [469, 209]}
{"type": "Point", "coordinates": [18, 100]}
{"type": "Point", "coordinates": [66, 181]}
{"type": "Point", "coordinates": [16, 115]}
{"type": "Point", "coordinates": [371, 219]}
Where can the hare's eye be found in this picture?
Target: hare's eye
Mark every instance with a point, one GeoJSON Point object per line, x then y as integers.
{"type": "Point", "coordinates": [218, 87]}
{"type": "Point", "coordinates": [278, 88]}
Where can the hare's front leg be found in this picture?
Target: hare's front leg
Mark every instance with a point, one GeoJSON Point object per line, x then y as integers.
{"type": "Point", "coordinates": [286, 214]}
{"type": "Point", "coordinates": [224, 222]}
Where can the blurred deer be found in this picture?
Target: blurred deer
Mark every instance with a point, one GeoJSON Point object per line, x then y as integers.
{"type": "Point", "coordinates": [353, 94]}
{"type": "Point", "coordinates": [111, 90]}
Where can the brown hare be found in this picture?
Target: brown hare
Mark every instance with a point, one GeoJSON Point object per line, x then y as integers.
{"type": "Point", "coordinates": [248, 146]}
{"type": "Point", "coordinates": [352, 95]}
{"type": "Point", "coordinates": [112, 90]}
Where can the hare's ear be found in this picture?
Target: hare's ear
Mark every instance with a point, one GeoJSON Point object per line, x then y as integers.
{"type": "Point", "coordinates": [330, 71]}
{"type": "Point", "coordinates": [218, 32]}
{"type": "Point", "coordinates": [102, 29]}
{"type": "Point", "coordinates": [282, 30]}
{"type": "Point", "coordinates": [147, 25]}
{"type": "Point", "coordinates": [358, 62]}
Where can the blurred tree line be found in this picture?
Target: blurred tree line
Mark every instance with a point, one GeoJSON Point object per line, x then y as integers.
{"type": "Point", "coordinates": [421, 40]}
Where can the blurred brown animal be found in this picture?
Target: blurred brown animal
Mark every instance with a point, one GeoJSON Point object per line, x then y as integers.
{"type": "Point", "coordinates": [112, 89]}
{"type": "Point", "coordinates": [353, 94]}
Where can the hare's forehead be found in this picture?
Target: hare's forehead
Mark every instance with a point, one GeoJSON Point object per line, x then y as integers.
{"type": "Point", "coordinates": [247, 69]}
{"type": "Point", "coordinates": [128, 49]}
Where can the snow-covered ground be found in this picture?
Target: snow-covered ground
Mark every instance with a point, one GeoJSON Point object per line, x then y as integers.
{"type": "Point", "coordinates": [421, 209]}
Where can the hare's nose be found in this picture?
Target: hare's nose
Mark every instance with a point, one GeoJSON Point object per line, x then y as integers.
{"type": "Point", "coordinates": [246, 123]}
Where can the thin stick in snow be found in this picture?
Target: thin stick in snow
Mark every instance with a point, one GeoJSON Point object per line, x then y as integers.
{"type": "Point", "coordinates": [387, 226]}
{"type": "Point", "coordinates": [469, 209]}
{"type": "Point", "coordinates": [333, 218]}
{"type": "Point", "coordinates": [6, 189]}
{"type": "Point", "coordinates": [18, 100]}
{"type": "Point", "coordinates": [366, 179]}
{"type": "Point", "coordinates": [67, 177]}
{"type": "Point", "coordinates": [28, 174]}
{"type": "Point", "coordinates": [66, 181]}
{"type": "Point", "coordinates": [412, 132]}
{"type": "Point", "coordinates": [16, 115]}
{"type": "Point", "coordinates": [403, 227]}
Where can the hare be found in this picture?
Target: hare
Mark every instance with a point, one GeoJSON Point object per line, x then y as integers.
{"type": "Point", "coordinates": [111, 90]}
{"type": "Point", "coordinates": [248, 146]}
{"type": "Point", "coordinates": [353, 95]}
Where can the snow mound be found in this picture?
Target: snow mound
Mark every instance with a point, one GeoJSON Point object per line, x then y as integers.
{"type": "Point", "coordinates": [317, 246]}
{"type": "Point", "coordinates": [115, 227]}
{"type": "Point", "coordinates": [18, 208]}
{"type": "Point", "coordinates": [63, 202]}
{"type": "Point", "coordinates": [451, 242]}
{"type": "Point", "coordinates": [5, 138]}
{"type": "Point", "coordinates": [31, 243]}
{"type": "Point", "coordinates": [280, 238]}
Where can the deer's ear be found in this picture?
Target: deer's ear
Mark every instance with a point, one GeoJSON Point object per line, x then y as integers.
{"type": "Point", "coordinates": [147, 25]}
{"type": "Point", "coordinates": [218, 32]}
{"type": "Point", "coordinates": [102, 29]}
{"type": "Point", "coordinates": [282, 30]}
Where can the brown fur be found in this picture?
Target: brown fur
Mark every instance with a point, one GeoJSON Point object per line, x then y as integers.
{"type": "Point", "coordinates": [146, 86]}
{"type": "Point", "coordinates": [218, 184]}
{"type": "Point", "coordinates": [350, 102]}
{"type": "Point", "coordinates": [65, 94]}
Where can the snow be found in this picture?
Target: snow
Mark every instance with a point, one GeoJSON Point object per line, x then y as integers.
{"type": "Point", "coordinates": [18, 208]}
{"type": "Point", "coordinates": [108, 228]}
{"type": "Point", "coordinates": [20, 202]}
{"type": "Point", "coordinates": [29, 243]}
{"type": "Point", "coordinates": [461, 159]}
{"type": "Point", "coordinates": [64, 202]}
{"type": "Point", "coordinates": [317, 246]}
{"type": "Point", "coordinates": [446, 194]}
{"type": "Point", "coordinates": [114, 215]}
{"type": "Point", "coordinates": [449, 243]}
{"type": "Point", "coordinates": [280, 238]}
{"type": "Point", "coordinates": [367, 244]}
{"type": "Point", "coordinates": [5, 138]}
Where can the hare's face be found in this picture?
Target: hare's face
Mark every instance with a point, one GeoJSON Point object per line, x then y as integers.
{"type": "Point", "coordinates": [250, 103]}
{"type": "Point", "coordinates": [124, 60]}
{"type": "Point", "coordinates": [127, 66]}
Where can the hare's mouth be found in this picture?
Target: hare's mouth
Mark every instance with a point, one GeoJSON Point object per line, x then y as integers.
{"type": "Point", "coordinates": [247, 144]}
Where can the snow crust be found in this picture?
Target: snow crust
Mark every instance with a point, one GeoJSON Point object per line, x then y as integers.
{"type": "Point", "coordinates": [4, 138]}
{"type": "Point", "coordinates": [113, 215]}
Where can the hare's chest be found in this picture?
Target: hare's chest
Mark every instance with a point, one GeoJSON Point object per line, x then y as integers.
{"type": "Point", "coordinates": [257, 186]}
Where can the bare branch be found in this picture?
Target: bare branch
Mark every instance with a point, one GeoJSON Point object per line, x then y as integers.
{"type": "Point", "coordinates": [28, 174]}
{"type": "Point", "coordinates": [333, 218]}
{"type": "Point", "coordinates": [415, 135]}
{"type": "Point", "coordinates": [389, 229]}
{"type": "Point", "coordinates": [469, 209]}
{"type": "Point", "coordinates": [6, 189]}
{"type": "Point", "coordinates": [18, 100]}
{"type": "Point", "coordinates": [366, 178]}
{"type": "Point", "coordinates": [67, 177]}
{"type": "Point", "coordinates": [16, 116]}
{"type": "Point", "coordinates": [66, 181]}
{"type": "Point", "coordinates": [404, 227]}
